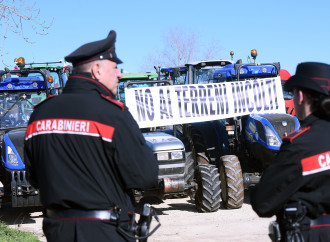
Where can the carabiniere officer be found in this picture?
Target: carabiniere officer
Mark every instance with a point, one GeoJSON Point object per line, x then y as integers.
{"type": "Point", "coordinates": [296, 185]}
{"type": "Point", "coordinates": [85, 151]}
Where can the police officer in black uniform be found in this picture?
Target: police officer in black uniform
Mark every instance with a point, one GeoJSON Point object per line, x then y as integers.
{"type": "Point", "coordinates": [296, 186]}
{"type": "Point", "coordinates": [86, 153]}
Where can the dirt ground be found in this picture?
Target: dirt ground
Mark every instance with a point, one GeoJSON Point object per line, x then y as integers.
{"type": "Point", "coordinates": [179, 222]}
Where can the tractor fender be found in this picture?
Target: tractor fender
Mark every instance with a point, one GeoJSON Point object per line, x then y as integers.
{"type": "Point", "coordinates": [215, 138]}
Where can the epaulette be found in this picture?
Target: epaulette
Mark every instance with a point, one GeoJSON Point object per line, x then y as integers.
{"type": "Point", "coordinates": [294, 134]}
{"type": "Point", "coordinates": [114, 101]}
{"type": "Point", "coordinates": [49, 97]}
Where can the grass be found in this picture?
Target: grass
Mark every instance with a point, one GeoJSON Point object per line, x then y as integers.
{"type": "Point", "coordinates": [14, 235]}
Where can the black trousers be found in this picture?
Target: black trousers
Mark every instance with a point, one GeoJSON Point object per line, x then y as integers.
{"type": "Point", "coordinates": [318, 234]}
{"type": "Point", "coordinates": [81, 231]}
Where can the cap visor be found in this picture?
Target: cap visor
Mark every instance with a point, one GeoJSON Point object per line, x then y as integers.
{"type": "Point", "coordinates": [117, 60]}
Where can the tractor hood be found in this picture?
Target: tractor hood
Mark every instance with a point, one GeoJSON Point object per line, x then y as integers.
{"type": "Point", "coordinates": [282, 123]}
{"type": "Point", "coordinates": [158, 141]}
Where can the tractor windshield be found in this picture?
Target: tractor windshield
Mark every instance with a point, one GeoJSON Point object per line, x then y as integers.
{"type": "Point", "coordinates": [204, 76]}
{"type": "Point", "coordinates": [178, 80]}
{"type": "Point", "coordinates": [56, 78]}
{"type": "Point", "coordinates": [121, 87]}
{"type": "Point", "coordinates": [231, 72]}
{"type": "Point", "coordinates": [16, 107]}
{"type": "Point", "coordinates": [59, 77]}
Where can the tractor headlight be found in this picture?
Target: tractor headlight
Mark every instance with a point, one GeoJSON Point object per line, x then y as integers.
{"type": "Point", "coordinates": [12, 157]}
{"type": "Point", "coordinates": [162, 156]}
{"type": "Point", "coordinates": [176, 155]}
{"type": "Point", "coordinates": [271, 137]}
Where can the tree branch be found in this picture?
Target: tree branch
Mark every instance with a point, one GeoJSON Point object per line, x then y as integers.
{"type": "Point", "coordinates": [16, 17]}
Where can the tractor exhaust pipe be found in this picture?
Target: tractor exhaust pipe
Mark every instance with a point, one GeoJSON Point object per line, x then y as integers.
{"type": "Point", "coordinates": [173, 185]}
{"type": "Point", "coordinates": [250, 179]}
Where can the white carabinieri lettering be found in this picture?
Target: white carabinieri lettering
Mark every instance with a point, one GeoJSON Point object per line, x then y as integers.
{"type": "Point", "coordinates": [324, 160]}
{"type": "Point", "coordinates": [63, 125]}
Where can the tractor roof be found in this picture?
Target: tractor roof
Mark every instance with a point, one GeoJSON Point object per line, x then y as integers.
{"type": "Point", "coordinates": [139, 75]}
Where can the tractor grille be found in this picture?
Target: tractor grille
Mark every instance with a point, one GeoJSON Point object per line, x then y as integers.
{"type": "Point", "coordinates": [277, 119]}
{"type": "Point", "coordinates": [171, 168]}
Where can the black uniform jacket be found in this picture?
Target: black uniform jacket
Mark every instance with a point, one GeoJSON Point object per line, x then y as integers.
{"type": "Point", "coordinates": [85, 150]}
{"type": "Point", "coordinates": [300, 171]}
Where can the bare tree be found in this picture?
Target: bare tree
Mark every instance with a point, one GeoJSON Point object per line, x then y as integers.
{"type": "Point", "coordinates": [18, 17]}
{"type": "Point", "coordinates": [181, 47]}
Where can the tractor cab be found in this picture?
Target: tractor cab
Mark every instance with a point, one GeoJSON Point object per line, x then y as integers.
{"type": "Point", "coordinates": [20, 90]}
{"type": "Point", "coordinates": [134, 80]}
{"type": "Point", "coordinates": [256, 136]}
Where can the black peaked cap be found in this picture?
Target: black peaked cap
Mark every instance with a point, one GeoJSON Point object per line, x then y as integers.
{"type": "Point", "coordinates": [314, 76]}
{"type": "Point", "coordinates": [97, 50]}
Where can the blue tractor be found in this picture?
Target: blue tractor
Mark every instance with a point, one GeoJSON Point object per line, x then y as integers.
{"type": "Point", "coordinates": [20, 91]}
{"type": "Point", "coordinates": [179, 175]}
{"type": "Point", "coordinates": [243, 146]}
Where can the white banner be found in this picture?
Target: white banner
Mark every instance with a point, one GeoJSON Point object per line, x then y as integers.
{"type": "Point", "coordinates": [168, 105]}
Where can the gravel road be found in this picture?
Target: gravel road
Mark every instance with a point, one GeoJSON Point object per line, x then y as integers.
{"type": "Point", "coordinates": [179, 222]}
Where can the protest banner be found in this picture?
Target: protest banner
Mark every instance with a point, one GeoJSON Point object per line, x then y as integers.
{"type": "Point", "coordinates": [179, 104]}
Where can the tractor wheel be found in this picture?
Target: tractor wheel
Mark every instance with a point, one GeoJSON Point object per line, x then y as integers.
{"type": "Point", "coordinates": [232, 185]}
{"type": "Point", "coordinates": [207, 197]}
{"type": "Point", "coordinates": [202, 159]}
{"type": "Point", "coordinates": [189, 168]}
{"type": "Point", "coordinates": [196, 140]}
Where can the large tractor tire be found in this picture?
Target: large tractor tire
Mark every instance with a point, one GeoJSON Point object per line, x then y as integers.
{"type": "Point", "coordinates": [202, 159]}
{"type": "Point", "coordinates": [196, 139]}
{"type": "Point", "coordinates": [189, 168]}
{"type": "Point", "coordinates": [208, 194]}
{"type": "Point", "coordinates": [232, 185]}
{"type": "Point", "coordinates": [189, 172]}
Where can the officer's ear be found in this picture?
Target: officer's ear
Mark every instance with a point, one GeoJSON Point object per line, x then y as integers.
{"type": "Point", "coordinates": [96, 70]}
{"type": "Point", "coordinates": [305, 98]}
{"type": "Point", "coordinates": [299, 95]}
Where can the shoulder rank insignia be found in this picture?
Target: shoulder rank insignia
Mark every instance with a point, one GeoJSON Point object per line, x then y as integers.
{"type": "Point", "coordinates": [294, 134]}
{"type": "Point", "coordinates": [114, 101]}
